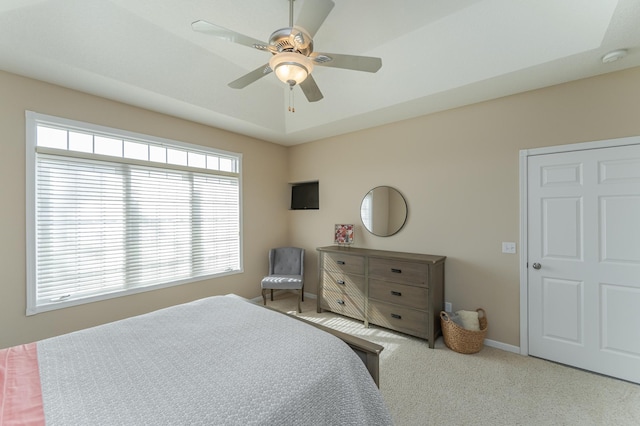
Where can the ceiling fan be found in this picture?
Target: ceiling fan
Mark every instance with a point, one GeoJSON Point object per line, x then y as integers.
{"type": "Point", "coordinates": [292, 49]}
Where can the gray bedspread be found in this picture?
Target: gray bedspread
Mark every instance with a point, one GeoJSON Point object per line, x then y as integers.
{"type": "Point", "coordinates": [215, 361]}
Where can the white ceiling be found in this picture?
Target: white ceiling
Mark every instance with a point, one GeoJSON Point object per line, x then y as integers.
{"type": "Point", "coordinates": [436, 55]}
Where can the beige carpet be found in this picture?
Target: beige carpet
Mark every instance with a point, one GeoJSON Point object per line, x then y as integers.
{"type": "Point", "coordinates": [423, 386]}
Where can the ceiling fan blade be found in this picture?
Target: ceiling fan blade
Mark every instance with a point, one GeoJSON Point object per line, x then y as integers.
{"type": "Point", "coordinates": [228, 35]}
{"type": "Point", "coordinates": [313, 14]}
{"type": "Point", "coordinates": [249, 78]}
{"type": "Point", "coordinates": [311, 90]}
{"type": "Point", "coordinates": [350, 62]}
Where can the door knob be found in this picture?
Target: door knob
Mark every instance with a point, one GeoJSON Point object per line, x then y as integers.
{"type": "Point", "coordinates": [537, 265]}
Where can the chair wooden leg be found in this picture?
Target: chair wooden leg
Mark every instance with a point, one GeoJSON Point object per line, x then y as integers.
{"type": "Point", "coordinates": [272, 295]}
{"type": "Point", "coordinates": [302, 293]}
{"type": "Point", "coordinates": [299, 297]}
{"type": "Point", "coordinates": [264, 296]}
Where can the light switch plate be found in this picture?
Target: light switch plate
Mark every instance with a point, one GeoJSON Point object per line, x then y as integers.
{"type": "Point", "coordinates": [509, 248]}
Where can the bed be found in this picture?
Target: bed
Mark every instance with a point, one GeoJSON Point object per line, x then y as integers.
{"type": "Point", "coordinates": [218, 360]}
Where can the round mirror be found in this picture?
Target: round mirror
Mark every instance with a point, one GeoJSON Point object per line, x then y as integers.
{"type": "Point", "coordinates": [383, 211]}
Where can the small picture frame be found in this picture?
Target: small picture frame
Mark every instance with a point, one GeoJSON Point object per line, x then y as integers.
{"type": "Point", "coordinates": [343, 234]}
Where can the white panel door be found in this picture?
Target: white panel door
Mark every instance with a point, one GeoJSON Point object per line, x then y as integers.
{"type": "Point", "coordinates": [584, 259]}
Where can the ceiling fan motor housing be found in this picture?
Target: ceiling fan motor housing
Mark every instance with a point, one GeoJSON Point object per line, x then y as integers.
{"type": "Point", "coordinates": [291, 40]}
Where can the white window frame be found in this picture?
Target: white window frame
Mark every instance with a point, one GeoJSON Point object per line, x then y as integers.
{"type": "Point", "coordinates": [33, 120]}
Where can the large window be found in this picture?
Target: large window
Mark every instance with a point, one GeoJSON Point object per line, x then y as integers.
{"type": "Point", "coordinates": [111, 213]}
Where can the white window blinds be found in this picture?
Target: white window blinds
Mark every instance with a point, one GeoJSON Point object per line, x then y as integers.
{"type": "Point", "coordinates": [105, 227]}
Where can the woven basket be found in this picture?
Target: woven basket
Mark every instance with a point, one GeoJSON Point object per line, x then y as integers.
{"type": "Point", "coordinates": [460, 339]}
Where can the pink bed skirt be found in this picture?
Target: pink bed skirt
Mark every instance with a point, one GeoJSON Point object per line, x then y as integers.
{"type": "Point", "coordinates": [20, 390]}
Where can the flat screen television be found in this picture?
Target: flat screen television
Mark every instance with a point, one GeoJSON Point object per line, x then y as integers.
{"type": "Point", "coordinates": [304, 196]}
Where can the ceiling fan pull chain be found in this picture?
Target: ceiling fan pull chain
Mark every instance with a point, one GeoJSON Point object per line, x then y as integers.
{"type": "Point", "coordinates": [292, 107]}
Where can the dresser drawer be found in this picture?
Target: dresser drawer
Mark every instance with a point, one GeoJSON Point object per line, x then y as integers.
{"type": "Point", "coordinates": [399, 294]}
{"type": "Point", "coordinates": [399, 318]}
{"type": "Point", "coordinates": [399, 271]}
{"type": "Point", "coordinates": [345, 263]}
{"type": "Point", "coordinates": [343, 304]}
{"type": "Point", "coordinates": [343, 283]}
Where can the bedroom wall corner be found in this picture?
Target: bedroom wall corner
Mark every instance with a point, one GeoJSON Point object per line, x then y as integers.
{"type": "Point", "coordinates": [264, 186]}
{"type": "Point", "coordinates": [459, 171]}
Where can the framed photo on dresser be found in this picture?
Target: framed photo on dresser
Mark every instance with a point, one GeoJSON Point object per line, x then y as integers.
{"type": "Point", "coordinates": [343, 234]}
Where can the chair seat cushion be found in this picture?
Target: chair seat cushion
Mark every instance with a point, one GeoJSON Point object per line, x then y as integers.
{"type": "Point", "coordinates": [282, 282]}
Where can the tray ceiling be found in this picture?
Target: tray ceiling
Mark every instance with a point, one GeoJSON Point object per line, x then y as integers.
{"type": "Point", "coordinates": [435, 55]}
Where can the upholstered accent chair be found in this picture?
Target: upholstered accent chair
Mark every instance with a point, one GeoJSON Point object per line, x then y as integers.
{"type": "Point", "coordinates": [286, 272]}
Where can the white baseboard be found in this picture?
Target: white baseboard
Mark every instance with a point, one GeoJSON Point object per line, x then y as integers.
{"type": "Point", "coordinates": [236, 296]}
{"type": "Point", "coordinates": [503, 346]}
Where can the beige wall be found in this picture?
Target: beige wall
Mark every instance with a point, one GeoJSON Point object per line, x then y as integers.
{"type": "Point", "coordinates": [459, 172]}
{"type": "Point", "coordinates": [265, 198]}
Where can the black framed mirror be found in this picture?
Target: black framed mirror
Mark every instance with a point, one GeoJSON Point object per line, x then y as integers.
{"type": "Point", "coordinates": [383, 211]}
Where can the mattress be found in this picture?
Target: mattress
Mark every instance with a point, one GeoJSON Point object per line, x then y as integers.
{"type": "Point", "coordinates": [218, 360]}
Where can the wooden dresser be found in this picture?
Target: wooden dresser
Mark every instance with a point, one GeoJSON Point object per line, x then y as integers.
{"type": "Point", "coordinates": [400, 291]}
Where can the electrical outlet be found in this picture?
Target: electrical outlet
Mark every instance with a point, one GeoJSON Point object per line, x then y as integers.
{"type": "Point", "coordinates": [448, 307]}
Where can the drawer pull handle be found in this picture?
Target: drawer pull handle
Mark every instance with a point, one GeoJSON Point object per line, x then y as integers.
{"type": "Point", "coordinates": [340, 302]}
{"type": "Point", "coordinates": [396, 316]}
{"type": "Point", "coordinates": [396, 271]}
{"type": "Point", "coordinates": [341, 282]}
{"type": "Point", "coordinates": [396, 293]}
{"type": "Point", "coordinates": [341, 262]}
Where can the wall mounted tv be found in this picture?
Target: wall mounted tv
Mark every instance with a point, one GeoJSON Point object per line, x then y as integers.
{"type": "Point", "coordinates": [304, 196]}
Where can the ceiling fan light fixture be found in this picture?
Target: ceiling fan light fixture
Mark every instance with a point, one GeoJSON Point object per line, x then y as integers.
{"type": "Point", "coordinates": [290, 67]}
